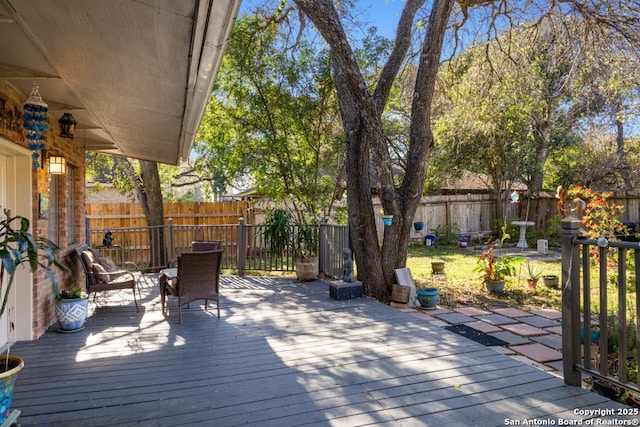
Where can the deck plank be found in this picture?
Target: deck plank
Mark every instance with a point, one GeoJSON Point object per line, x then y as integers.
{"type": "Point", "coordinates": [284, 354]}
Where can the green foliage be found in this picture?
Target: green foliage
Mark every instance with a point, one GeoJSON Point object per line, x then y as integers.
{"type": "Point", "coordinates": [71, 294]}
{"type": "Point", "coordinates": [306, 240]}
{"type": "Point", "coordinates": [533, 271]}
{"type": "Point", "coordinates": [19, 247]}
{"type": "Point", "coordinates": [277, 231]}
{"type": "Point", "coordinates": [494, 267]}
{"type": "Point", "coordinates": [272, 121]}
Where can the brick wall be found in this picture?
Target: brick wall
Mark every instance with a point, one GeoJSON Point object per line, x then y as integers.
{"type": "Point", "coordinates": [11, 102]}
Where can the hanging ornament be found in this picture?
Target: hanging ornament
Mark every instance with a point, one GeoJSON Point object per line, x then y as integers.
{"type": "Point", "coordinates": [515, 197]}
{"type": "Point", "coordinates": [35, 121]}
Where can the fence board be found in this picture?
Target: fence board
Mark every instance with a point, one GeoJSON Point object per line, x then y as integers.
{"type": "Point", "coordinates": [126, 215]}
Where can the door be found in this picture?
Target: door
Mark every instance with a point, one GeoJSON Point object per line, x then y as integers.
{"type": "Point", "coordinates": [4, 336]}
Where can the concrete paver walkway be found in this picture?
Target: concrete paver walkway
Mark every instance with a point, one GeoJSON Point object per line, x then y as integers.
{"type": "Point", "coordinates": [533, 336]}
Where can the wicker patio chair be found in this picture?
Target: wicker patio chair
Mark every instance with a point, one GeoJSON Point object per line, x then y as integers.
{"type": "Point", "coordinates": [198, 246]}
{"type": "Point", "coordinates": [98, 279]}
{"type": "Point", "coordinates": [205, 245]}
{"type": "Point", "coordinates": [198, 277]}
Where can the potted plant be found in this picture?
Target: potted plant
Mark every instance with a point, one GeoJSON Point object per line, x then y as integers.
{"type": "Point", "coordinates": [276, 231]}
{"type": "Point", "coordinates": [533, 275]}
{"type": "Point", "coordinates": [306, 247]}
{"type": "Point", "coordinates": [551, 281]}
{"type": "Point", "coordinates": [427, 296]}
{"type": "Point", "coordinates": [71, 310]}
{"type": "Point", "coordinates": [387, 220]}
{"type": "Point", "coordinates": [18, 247]}
{"type": "Point", "coordinates": [495, 268]}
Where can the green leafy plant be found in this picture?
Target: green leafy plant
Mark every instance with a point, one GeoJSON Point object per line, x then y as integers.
{"type": "Point", "coordinates": [495, 268]}
{"type": "Point", "coordinates": [277, 231]}
{"type": "Point", "coordinates": [72, 294]}
{"type": "Point", "coordinates": [306, 241]}
{"type": "Point", "coordinates": [19, 247]}
{"type": "Point", "coordinates": [533, 271]}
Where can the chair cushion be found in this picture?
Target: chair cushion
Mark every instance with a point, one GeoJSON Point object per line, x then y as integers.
{"type": "Point", "coordinates": [108, 264]}
{"type": "Point", "coordinates": [100, 272]}
{"type": "Point", "coordinates": [88, 258]}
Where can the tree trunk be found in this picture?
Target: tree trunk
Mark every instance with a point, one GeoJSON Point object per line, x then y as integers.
{"type": "Point", "coordinates": [362, 123]}
{"type": "Point", "coordinates": [155, 216]}
{"type": "Point", "coordinates": [149, 195]}
{"type": "Point", "coordinates": [622, 160]}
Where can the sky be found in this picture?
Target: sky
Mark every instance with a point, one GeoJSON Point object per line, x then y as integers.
{"type": "Point", "coordinates": [383, 14]}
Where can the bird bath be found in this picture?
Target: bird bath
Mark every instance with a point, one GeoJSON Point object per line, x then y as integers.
{"type": "Point", "coordinates": [522, 242]}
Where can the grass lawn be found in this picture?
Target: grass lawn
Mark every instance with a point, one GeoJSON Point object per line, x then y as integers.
{"type": "Point", "coordinates": [461, 283]}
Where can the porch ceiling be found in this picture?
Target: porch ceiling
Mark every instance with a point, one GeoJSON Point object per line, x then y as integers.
{"type": "Point", "coordinates": [136, 75]}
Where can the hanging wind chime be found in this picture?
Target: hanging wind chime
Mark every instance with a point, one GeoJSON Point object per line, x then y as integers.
{"type": "Point", "coordinates": [35, 121]}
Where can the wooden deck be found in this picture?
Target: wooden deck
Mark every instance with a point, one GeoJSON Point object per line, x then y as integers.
{"type": "Point", "coordinates": [282, 354]}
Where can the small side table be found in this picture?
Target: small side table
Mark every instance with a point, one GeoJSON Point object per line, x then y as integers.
{"type": "Point", "coordinates": [522, 242]}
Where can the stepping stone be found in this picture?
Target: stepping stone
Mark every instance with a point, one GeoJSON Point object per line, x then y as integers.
{"type": "Point", "coordinates": [503, 350]}
{"type": "Point", "coordinates": [551, 340]}
{"type": "Point", "coordinates": [496, 319]}
{"type": "Point", "coordinates": [483, 326]}
{"type": "Point", "coordinates": [538, 321]}
{"type": "Point", "coordinates": [455, 318]}
{"type": "Point", "coordinates": [511, 312]}
{"type": "Point", "coordinates": [549, 313]}
{"type": "Point", "coordinates": [538, 352]}
{"type": "Point", "coordinates": [524, 330]}
{"type": "Point", "coordinates": [554, 330]}
{"type": "Point", "coordinates": [471, 311]}
{"type": "Point", "coordinates": [436, 311]}
{"type": "Point", "coordinates": [511, 339]}
{"type": "Point", "coordinates": [422, 315]}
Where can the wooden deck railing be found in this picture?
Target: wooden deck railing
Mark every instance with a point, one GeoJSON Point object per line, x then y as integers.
{"type": "Point", "coordinates": [151, 248]}
{"type": "Point", "coordinates": [611, 352]}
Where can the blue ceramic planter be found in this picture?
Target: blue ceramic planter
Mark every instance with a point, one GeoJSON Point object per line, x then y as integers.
{"type": "Point", "coordinates": [595, 335]}
{"type": "Point", "coordinates": [428, 297]}
{"type": "Point", "coordinates": [71, 314]}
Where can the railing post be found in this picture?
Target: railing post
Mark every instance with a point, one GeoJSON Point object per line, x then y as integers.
{"type": "Point", "coordinates": [171, 243]}
{"type": "Point", "coordinates": [242, 246]}
{"type": "Point", "coordinates": [87, 230]}
{"type": "Point", "coordinates": [570, 301]}
{"type": "Point", "coordinates": [322, 247]}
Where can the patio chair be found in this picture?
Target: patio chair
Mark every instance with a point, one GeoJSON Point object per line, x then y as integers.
{"type": "Point", "coordinates": [98, 279]}
{"type": "Point", "coordinates": [198, 277]}
{"type": "Point", "coordinates": [198, 246]}
{"type": "Point", "coordinates": [205, 245]}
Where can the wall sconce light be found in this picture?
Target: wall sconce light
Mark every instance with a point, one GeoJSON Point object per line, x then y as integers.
{"type": "Point", "coordinates": [57, 165]}
{"type": "Point", "coordinates": [67, 125]}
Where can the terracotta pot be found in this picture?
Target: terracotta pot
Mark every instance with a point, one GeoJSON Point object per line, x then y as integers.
{"type": "Point", "coordinates": [532, 283]}
{"type": "Point", "coordinates": [307, 269]}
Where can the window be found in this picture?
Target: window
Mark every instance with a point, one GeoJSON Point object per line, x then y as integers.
{"type": "Point", "coordinates": [54, 208]}
{"type": "Point", "coordinates": [70, 196]}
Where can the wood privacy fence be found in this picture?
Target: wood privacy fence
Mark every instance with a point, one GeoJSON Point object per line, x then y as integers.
{"type": "Point", "coordinates": [125, 215]}
{"type": "Point", "coordinates": [475, 214]}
